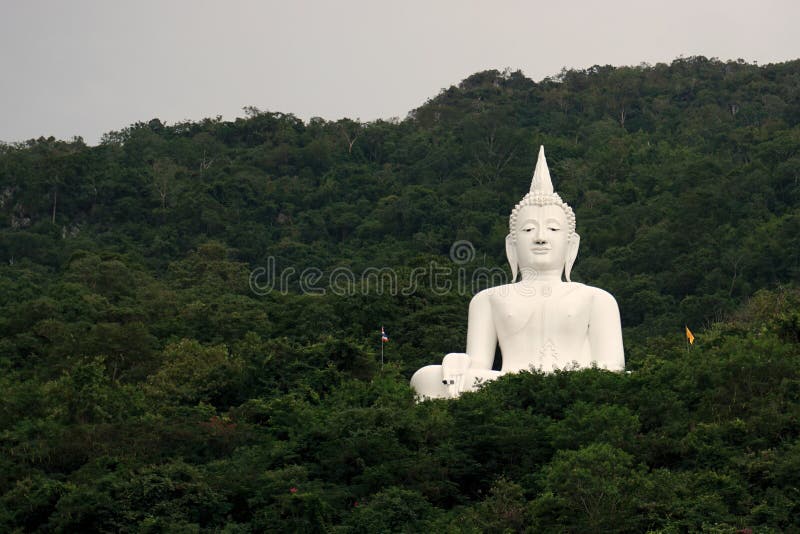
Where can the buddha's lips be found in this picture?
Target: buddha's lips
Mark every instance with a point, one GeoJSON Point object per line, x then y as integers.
{"type": "Point", "coordinates": [540, 250]}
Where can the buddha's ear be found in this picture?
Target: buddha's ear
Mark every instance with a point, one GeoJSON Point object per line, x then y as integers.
{"type": "Point", "coordinates": [572, 253]}
{"type": "Point", "coordinates": [511, 256]}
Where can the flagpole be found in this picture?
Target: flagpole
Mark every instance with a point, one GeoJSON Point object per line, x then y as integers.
{"type": "Point", "coordinates": [384, 339]}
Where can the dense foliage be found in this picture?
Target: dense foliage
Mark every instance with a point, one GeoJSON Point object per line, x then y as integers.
{"type": "Point", "coordinates": [189, 339]}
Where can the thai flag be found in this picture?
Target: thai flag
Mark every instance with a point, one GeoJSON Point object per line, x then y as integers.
{"type": "Point", "coordinates": [384, 339]}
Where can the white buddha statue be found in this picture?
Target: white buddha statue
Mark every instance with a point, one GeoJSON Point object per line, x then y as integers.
{"type": "Point", "coordinates": [542, 321]}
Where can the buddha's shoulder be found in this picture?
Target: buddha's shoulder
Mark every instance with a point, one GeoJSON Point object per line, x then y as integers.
{"type": "Point", "coordinates": [593, 291]}
{"type": "Point", "coordinates": [597, 295]}
{"type": "Point", "coordinates": [494, 292]}
{"type": "Point", "coordinates": [573, 288]}
{"type": "Point", "coordinates": [602, 300]}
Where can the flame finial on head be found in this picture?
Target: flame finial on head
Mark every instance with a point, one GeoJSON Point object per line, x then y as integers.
{"type": "Point", "coordinates": [541, 194]}
{"type": "Point", "coordinates": [541, 182]}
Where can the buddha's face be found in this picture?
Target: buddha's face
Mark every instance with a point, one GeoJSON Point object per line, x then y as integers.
{"type": "Point", "coordinates": [542, 234]}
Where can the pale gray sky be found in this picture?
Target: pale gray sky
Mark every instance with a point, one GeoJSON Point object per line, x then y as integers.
{"type": "Point", "coordinates": [85, 67]}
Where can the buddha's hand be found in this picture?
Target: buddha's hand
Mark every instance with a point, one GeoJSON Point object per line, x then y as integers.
{"type": "Point", "coordinates": [454, 369]}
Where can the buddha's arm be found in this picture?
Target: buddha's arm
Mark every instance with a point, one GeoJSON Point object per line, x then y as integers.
{"type": "Point", "coordinates": [605, 332]}
{"type": "Point", "coordinates": [481, 333]}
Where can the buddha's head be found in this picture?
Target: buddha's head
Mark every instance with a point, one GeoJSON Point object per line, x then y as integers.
{"type": "Point", "coordinates": [542, 233]}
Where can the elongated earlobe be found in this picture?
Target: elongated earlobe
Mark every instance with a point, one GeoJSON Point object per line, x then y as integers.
{"type": "Point", "coordinates": [511, 256]}
{"type": "Point", "coordinates": [572, 253]}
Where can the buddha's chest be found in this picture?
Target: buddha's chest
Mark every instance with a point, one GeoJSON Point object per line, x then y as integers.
{"type": "Point", "coordinates": [548, 316]}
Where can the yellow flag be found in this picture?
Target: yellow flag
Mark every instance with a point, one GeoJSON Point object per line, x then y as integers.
{"type": "Point", "coordinates": [689, 335]}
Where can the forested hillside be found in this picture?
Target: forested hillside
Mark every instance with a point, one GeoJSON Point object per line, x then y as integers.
{"type": "Point", "coordinates": [190, 314]}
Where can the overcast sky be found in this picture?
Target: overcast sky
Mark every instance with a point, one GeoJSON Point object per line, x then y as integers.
{"type": "Point", "coordinates": [86, 67]}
